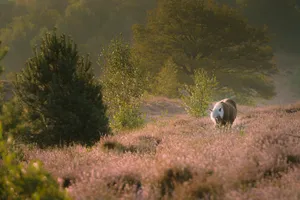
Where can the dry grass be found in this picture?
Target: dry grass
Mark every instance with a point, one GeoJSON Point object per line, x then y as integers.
{"type": "Point", "coordinates": [181, 157]}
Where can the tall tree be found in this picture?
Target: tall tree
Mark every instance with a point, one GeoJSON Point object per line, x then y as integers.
{"type": "Point", "coordinates": [205, 34]}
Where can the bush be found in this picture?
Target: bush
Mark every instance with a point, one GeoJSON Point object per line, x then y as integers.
{"type": "Point", "coordinates": [166, 82]}
{"type": "Point", "coordinates": [18, 181]}
{"type": "Point", "coordinates": [3, 52]}
{"type": "Point", "coordinates": [200, 95]}
{"type": "Point", "coordinates": [128, 117]}
{"type": "Point", "coordinates": [59, 90]}
{"type": "Point", "coordinates": [15, 121]}
{"type": "Point", "coordinates": [123, 84]}
{"type": "Point", "coordinates": [12, 115]}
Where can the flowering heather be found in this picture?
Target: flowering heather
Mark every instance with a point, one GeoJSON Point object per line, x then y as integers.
{"type": "Point", "coordinates": [182, 157]}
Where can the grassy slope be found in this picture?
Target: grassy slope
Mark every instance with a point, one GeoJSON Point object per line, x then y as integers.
{"type": "Point", "coordinates": [186, 158]}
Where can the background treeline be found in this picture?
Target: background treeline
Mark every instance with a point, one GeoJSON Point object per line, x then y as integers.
{"type": "Point", "coordinates": [93, 23]}
{"type": "Point", "coordinates": [172, 37]}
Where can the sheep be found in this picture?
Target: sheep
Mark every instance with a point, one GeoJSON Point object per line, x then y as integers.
{"type": "Point", "coordinates": [224, 112]}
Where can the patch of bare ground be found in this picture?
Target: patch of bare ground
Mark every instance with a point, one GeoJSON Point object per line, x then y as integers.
{"type": "Point", "coordinates": [157, 107]}
{"type": "Point", "coordinates": [181, 157]}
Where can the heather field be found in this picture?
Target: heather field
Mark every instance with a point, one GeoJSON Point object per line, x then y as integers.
{"type": "Point", "coordinates": [175, 156]}
{"type": "Point", "coordinates": [110, 99]}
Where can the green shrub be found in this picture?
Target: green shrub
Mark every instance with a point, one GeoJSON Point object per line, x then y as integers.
{"type": "Point", "coordinates": [3, 52]}
{"type": "Point", "coordinates": [12, 120]}
{"type": "Point", "coordinates": [15, 122]}
{"type": "Point", "coordinates": [59, 90]}
{"type": "Point", "coordinates": [12, 115]}
{"type": "Point", "coordinates": [128, 117]}
{"type": "Point", "coordinates": [123, 84]}
{"type": "Point", "coordinates": [166, 83]}
{"type": "Point", "coordinates": [18, 181]}
{"type": "Point", "coordinates": [200, 95]}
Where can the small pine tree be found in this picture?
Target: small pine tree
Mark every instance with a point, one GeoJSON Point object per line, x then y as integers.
{"type": "Point", "coordinates": [201, 94]}
{"type": "Point", "coordinates": [166, 82]}
{"type": "Point", "coordinates": [61, 94]}
{"type": "Point", "coordinates": [123, 84]}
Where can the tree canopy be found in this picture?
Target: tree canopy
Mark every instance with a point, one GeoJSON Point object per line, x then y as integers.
{"type": "Point", "coordinates": [92, 23]}
{"type": "Point", "coordinates": [282, 18]}
{"type": "Point", "coordinates": [205, 34]}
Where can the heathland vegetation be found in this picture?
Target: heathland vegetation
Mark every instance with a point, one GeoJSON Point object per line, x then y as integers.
{"type": "Point", "coordinates": [109, 99]}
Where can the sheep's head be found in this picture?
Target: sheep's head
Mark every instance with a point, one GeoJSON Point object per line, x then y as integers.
{"type": "Point", "coordinates": [217, 113]}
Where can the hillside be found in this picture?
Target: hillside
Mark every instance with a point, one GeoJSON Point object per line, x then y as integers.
{"type": "Point", "coordinates": [182, 157]}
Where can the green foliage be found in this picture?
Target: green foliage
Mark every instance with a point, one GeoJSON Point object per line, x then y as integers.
{"type": "Point", "coordinates": [123, 84]}
{"type": "Point", "coordinates": [166, 82]}
{"type": "Point", "coordinates": [201, 94]}
{"type": "Point", "coordinates": [61, 94]}
{"type": "Point", "coordinates": [204, 34]}
{"type": "Point", "coordinates": [14, 119]}
{"type": "Point", "coordinates": [11, 114]}
{"type": "Point", "coordinates": [22, 22]}
{"type": "Point", "coordinates": [3, 52]}
{"type": "Point", "coordinates": [18, 181]}
{"type": "Point", "coordinates": [128, 117]}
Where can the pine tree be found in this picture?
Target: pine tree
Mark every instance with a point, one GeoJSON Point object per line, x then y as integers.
{"type": "Point", "coordinates": [61, 94]}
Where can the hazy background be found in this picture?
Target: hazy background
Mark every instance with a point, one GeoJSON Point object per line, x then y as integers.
{"type": "Point", "coordinates": [93, 24]}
